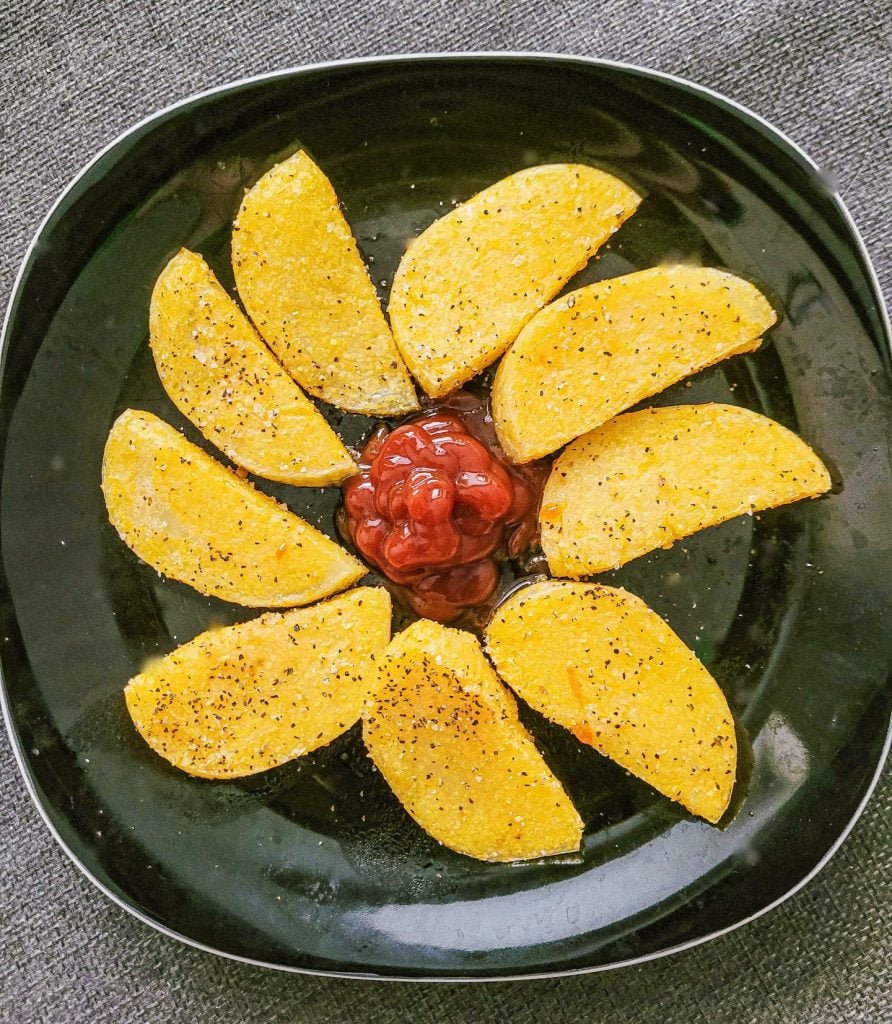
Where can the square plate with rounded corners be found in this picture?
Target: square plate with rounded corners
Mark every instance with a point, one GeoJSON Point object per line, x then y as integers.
{"type": "Point", "coordinates": [314, 866]}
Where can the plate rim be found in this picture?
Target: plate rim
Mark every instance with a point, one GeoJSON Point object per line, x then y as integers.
{"type": "Point", "coordinates": [779, 138]}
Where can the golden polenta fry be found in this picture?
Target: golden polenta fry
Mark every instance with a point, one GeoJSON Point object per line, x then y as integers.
{"type": "Point", "coordinates": [246, 698]}
{"type": "Point", "coordinates": [601, 349]}
{"type": "Point", "coordinates": [599, 662]}
{"type": "Point", "coordinates": [445, 735]}
{"type": "Point", "coordinates": [646, 479]}
{"type": "Point", "coordinates": [196, 521]}
{"type": "Point", "coordinates": [220, 374]}
{"type": "Point", "coordinates": [468, 284]}
{"type": "Point", "coordinates": [303, 282]}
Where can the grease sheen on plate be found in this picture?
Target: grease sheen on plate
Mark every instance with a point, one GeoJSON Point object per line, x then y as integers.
{"type": "Point", "coordinates": [309, 866]}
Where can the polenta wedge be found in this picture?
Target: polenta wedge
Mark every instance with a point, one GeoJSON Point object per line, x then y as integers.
{"type": "Point", "coordinates": [599, 662]}
{"type": "Point", "coordinates": [601, 349]}
{"type": "Point", "coordinates": [196, 521]}
{"type": "Point", "coordinates": [247, 698]}
{"type": "Point", "coordinates": [302, 280]}
{"type": "Point", "coordinates": [468, 284]}
{"type": "Point", "coordinates": [445, 735]}
{"type": "Point", "coordinates": [220, 374]}
{"type": "Point", "coordinates": [646, 479]}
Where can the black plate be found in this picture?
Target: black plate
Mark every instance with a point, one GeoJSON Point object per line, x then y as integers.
{"type": "Point", "coordinates": [314, 866]}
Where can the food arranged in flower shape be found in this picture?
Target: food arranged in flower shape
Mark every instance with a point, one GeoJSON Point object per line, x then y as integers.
{"type": "Point", "coordinates": [444, 492]}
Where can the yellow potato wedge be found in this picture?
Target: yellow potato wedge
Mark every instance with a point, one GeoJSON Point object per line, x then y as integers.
{"type": "Point", "coordinates": [247, 698]}
{"type": "Point", "coordinates": [302, 280]}
{"type": "Point", "coordinates": [646, 479]}
{"type": "Point", "coordinates": [601, 349]}
{"type": "Point", "coordinates": [599, 662]}
{"type": "Point", "coordinates": [445, 735]}
{"type": "Point", "coordinates": [196, 521]}
{"type": "Point", "coordinates": [220, 374]}
{"type": "Point", "coordinates": [467, 284]}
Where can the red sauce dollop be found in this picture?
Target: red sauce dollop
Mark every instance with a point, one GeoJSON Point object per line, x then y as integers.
{"type": "Point", "coordinates": [436, 504]}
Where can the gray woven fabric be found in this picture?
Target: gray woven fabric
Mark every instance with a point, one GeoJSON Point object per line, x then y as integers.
{"type": "Point", "coordinates": [72, 76]}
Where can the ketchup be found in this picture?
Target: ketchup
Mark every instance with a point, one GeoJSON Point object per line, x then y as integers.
{"type": "Point", "coordinates": [436, 505]}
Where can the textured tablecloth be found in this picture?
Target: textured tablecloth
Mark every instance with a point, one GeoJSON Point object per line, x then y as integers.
{"type": "Point", "coordinates": [75, 74]}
